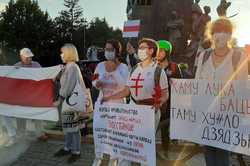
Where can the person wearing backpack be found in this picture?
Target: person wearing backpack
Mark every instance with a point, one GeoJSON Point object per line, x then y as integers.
{"type": "Point", "coordinates": [143, 84]}
{"type": "Point", "coordinates": [173, 71]}
{"type": "Point", "coordinates": [221, 62]}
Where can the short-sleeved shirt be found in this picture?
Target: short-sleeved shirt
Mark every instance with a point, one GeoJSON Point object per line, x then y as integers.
{"type": "Point", "coordinates": [113, 82]}
{"type": "Point", "coordinates": [141, 82]}
{"type": "Point", "coordinates": [33, 64]}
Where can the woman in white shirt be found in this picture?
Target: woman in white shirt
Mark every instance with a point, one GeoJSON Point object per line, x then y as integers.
{"type": "Point", "coordinates": [110, 78]}
{"type": "Point", "coordinates": [225, 63]}
{"type": "Point", "coordinates": [142, 82]}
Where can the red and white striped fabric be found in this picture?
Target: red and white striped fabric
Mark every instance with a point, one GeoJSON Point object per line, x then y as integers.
{"type": "Point", "coordinates": [131, 28]}
{"type": "Point", "coordinates": [28, 92]}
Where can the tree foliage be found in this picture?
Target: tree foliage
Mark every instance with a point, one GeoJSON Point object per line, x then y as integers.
{"type": "Point", "coordinates": [70, 19]}
{"type": "Point", "coordinates": [24, 24]}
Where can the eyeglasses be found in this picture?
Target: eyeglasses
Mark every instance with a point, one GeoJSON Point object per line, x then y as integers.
{"type": "Point", "coordinates": [109, 49]}
{"type": "Point", "coordinates": [143, 48]}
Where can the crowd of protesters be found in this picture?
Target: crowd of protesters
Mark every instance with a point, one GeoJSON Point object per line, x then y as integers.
{"type": "Point", "coordinates": [152, 64]}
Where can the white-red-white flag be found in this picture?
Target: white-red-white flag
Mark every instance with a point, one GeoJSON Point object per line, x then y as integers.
{"type": "Point", "coordinates": [28, 92]}
{"type": "Point", "coordinates": [131, 28]}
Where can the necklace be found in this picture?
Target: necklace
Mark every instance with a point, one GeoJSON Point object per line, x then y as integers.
{"type": "Point", "coordinates": [221, 55]}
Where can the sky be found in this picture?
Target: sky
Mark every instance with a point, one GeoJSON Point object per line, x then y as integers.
{"type": "Point", "coordinates": [115, 12]}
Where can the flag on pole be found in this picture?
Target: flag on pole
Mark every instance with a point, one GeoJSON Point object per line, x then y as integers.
{"type": "Point", "coordinates": [28, 92]}
{"type": "Point", "coordinates": [131, 28]}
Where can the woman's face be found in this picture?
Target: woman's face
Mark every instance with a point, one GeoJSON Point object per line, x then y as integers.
{"type": "Point", "coordinates": [109, 47]}
{"type": "Point", "coordinates": [161, 55]}
{"type": "Point", "coordinates": [109, 52]}
{"type": "Point", "coordinates": [144, 51]}
{"type": "Point", "coordinates": [130, 48]}
{"type": "Point", "coordinates": [221, 39]}
{"type": "Point", "coordinates": [26, 60]}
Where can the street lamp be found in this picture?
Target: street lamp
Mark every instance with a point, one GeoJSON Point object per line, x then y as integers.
{"type": "Point", "coordinates": [84, 35]}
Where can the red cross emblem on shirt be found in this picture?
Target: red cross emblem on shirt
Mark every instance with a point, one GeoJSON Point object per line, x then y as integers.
{"type": "Point", "coordinates": [137, 86]}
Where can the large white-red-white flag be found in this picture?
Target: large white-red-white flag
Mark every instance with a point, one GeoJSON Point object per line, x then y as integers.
{"type": "Point", "coordinates": [131, 28]}
{"type": "Point", "coordinates": [28, 92]}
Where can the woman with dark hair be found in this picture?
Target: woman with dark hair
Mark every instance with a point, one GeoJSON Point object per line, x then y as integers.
{"type": "Point", "coordinates": [151, 77]}
{"type": "Point", "coordinates": [130, 58]}
{"type": "Point", "coordinates": [110, 77]}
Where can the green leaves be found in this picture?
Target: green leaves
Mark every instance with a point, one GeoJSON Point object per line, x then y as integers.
{"type": "Point", "coordinates": [24, 24]}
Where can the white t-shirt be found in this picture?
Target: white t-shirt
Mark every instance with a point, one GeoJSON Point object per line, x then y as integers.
{"type": "Point", "coordinates": [141, 82]}
{"type": "Point", "coordinates": [114, 82]}
{"type": "Point", "coordinates": [225, 70]}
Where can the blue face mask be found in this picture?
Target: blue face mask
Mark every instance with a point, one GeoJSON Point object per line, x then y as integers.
{"type": "Point", "coordinates": [109, 55]}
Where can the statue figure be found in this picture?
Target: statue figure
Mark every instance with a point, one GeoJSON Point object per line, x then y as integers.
{"type": "Point", "coordinates": [222, 8]}
{"type": "Point", "coordinates": [174, 29]}
{"type": "Point", "coordinates": [204, 19]}
{"type": "Point", "coordinates": [130, 6]}
{"type": "Point", "coordinates": [207, 11]}
{"type": "Point", "coordinates": [196, 20]}
{"type": "Point", "coordinates": [196, 7]}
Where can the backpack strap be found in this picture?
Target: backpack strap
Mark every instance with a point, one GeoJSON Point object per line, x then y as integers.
{"type": "Point", "coordinates": [207, 54]}
{"type": "Point", "coordinates": [235, 57]}
{"type": "Point", "coordinates": [157, 75]}
{"type": "Point", "coordinates": [133, 69]}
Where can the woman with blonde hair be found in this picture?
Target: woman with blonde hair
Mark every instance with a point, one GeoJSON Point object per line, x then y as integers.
{"type": "Point", "coordinates": [224, 63]}
{"type": "Point", "coordinates": [70, 77]}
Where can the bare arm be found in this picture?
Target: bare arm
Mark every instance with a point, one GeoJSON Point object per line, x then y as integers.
{"type": "Point", "coordinates": [165, 96]}
{"type": "Point", "coordinates": [122, 94]}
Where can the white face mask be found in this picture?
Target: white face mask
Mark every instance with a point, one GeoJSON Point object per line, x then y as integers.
{"type": "Point", "coordinates": [62, 55]}
{"type": "Point", "coordinates": [142, 54]}
{"type": "Point", "coordinates": [109, 55]}
{"type": "Point", "coordinates": [221, 39]}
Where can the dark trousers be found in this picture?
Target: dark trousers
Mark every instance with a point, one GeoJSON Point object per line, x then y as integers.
{"type": "Point", "coordinates": [216, 157]}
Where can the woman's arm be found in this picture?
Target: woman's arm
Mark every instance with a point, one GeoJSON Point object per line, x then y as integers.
{"type": "Point", "coordinates": [122, 94]}
{"type": "Point", "coordinates": [165, 96]}
{"type": "Point", "coordinates": [71, 75]}
{"type": "Point", "coordinates": [96, 82]}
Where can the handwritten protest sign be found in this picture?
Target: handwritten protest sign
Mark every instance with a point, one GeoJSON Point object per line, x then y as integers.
{"type": "Point", "coordinates": [125, 131]}
{"type": "Point", "coordinates": [211, 113]}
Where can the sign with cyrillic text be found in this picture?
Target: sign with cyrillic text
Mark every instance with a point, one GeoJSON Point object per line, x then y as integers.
{"type": "Point", "coordinates": [211, 113]}
{"type": "Point", "coordinates": [125, 131]}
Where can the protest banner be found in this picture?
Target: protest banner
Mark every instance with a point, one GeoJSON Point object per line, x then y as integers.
{"type": "Point", "coordinates": [28, 92]}
{"type": "Point", "coordinates": [125, 131]}
{"type": "Point", "coordinates": [212, 113]}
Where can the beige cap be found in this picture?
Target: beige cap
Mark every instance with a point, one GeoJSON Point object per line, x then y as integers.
{"type": "Point", "coordinates": [26, 52]}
